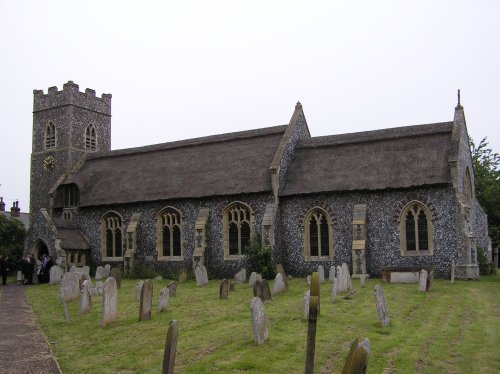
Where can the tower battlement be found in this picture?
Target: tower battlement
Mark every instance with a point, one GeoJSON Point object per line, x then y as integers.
{"type": "Point", "coordinates": [71, 95]}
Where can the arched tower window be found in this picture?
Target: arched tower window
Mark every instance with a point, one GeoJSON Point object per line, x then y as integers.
{"type": "Point", "coordinates": [90, 138]}
{"type": "Point", "coordinates": [416, 230]}
{"type": "Point", "coordinates": [318, 241]}
{"type": "Point", "coordinates": [111, 237]}
{"type": "Point", "coordinates": [50, 136]}
{"type": "Point", "coordinates": [169, 234]}
{"type": "Point", "coordinates": [238, 228]}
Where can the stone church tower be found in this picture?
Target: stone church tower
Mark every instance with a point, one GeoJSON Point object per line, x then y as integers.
{"type": "Point", "coordinates": [67, 125]}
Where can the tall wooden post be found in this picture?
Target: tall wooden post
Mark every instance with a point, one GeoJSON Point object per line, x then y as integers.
{"type": "Point", "coordinates": [311, 327]}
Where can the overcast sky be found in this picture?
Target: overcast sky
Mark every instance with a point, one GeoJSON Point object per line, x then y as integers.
{"type": "Point", "coordinates": [183, 69]}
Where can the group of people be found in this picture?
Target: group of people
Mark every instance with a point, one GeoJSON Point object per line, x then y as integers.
{"type": "Point", "coordinates": [28, 268]}
{"type": "Point", "coordinates": [4, 268]}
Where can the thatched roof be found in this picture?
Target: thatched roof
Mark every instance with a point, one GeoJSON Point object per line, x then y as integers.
{"type": "Point", "coordinates": [70, 235]}
{"type": "Point", "coordinates": [373, 160]}
{"type": "Point", "coordinates": [227, 164]}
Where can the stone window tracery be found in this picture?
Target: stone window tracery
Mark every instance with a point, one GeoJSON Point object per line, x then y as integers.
{"type": "Point", "coordinates": [238, 228]}
{"type": "Point", "coordinates": [50, 136]}
{"type": "Point", "coordinates": [111, 236]}
{"type": "Point", "coordinates": [91, 138]}
{"type": "Point", "coordinates": [416, 230]}
{"type": "Point", "coordinates": [318, 238]}
{"type": "Point", "coordinates": [169, 234]}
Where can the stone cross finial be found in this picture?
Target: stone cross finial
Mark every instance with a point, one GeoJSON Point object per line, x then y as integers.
{"type": "Point", "coordinates": [458, 97]}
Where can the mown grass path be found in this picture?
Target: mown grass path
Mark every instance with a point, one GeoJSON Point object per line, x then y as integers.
{"type": "Point", "coordinates": [452, 329]}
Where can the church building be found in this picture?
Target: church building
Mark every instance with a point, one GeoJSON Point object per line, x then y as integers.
{"type": "Point", "coordinates": [391, 198]}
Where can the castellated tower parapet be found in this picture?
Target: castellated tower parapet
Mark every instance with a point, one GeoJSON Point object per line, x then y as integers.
{"type": "Point", "coordinates": [71, 95]}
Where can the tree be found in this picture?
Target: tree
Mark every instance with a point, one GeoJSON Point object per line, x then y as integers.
{"type": "Point", "coordinates": [487, 183]}
{"type": "Point", "coordinates": [12, 235]}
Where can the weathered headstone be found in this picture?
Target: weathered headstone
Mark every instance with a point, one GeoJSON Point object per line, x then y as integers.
{"type": "Point", "coordinates": [138, 289]}
{"type": "Point", "coordinates": [331, 273]}
{"type": "Point", "coordinates": [107, 270]}
{"type": "Point", "coordinates": [201, 275]}
{"type": "Point", "coordinates": [280, 269]}
{"type": "Point", "coordinates": [278, 285]}
{"type": "Point", "coordinates": [170, 348]}
{"type": "Point", "coordinates": [241, 276]}
{"type": "Point", "coordinates": [117, 274]}
{"type": "Point", "coordinates": [308, 280]}
{"type": "Point", "coordinates": [261, 290]}
{"type": "Point", "coordinates": [422, 285]}
{"type": "Point", "coordinates": [205, 273]}
{"type": "Point", "coordinates": [347, 276]}
{"type": "Point", "coordinates": [321, 273]}
{"type": "Point", "coordinates": [85, 298]}
{"type": "Point", "coordinates": [305, 307]}
{"type": "Point", "coordinates": [71, 286]}
{"type": "Point", "coordinates": [109, 302]}
{"type": "Point", "coordinates": [357, 359]}
{"type": "Point", "coordinates": [100, 273]}
{"type": "Point", "coordinates": [63, 302]}
{"type": "Point", "coordinates": [311, 326]}
{"type": "Point", "coordinates": [56, 274]}
{"type": "Point", "coordinates": [146, 301]}
{"type": "Point", "coordinates": [182, 276]}
{"type": "Point", "coordinates": [224, 289]}
{"type": "Point", "coordinates": [252, 279]}
{"type": "Point", "coordinates": [163, 299]}
{"type": "Point", "coordinates": [260, 333]}
{"type": "Point", "coordinates": [259, 277]}
{"type": "Point", "coordinates": [172, 289]}
{"type": "Point", "coordinates": [82, 278]}
{"type": "Point", "coordinates": [362, 280]}
{"type": "Point", "coordinates": [99, 286]}
{"type": "Point", "coordinates": [333, 290]}
{"type": "Point", "coordinates": [430, 278]}
{"type": "Point", "coordinates": [381, 305]}
{"type": "Point", "coordinates": [86, 270]}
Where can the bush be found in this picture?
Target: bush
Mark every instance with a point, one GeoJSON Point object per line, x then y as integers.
{"type": "Point", "coordinates": [259, 258]}
{"type": "Point", "coordinates": [486, 267]}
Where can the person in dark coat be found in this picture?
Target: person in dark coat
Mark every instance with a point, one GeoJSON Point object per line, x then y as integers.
{"type": "Point", "coordinates": [4, 269]}
{"type": "Point", "coordinates": [28, 269]}
{"type": "Point", "coordinates": [46, 272]}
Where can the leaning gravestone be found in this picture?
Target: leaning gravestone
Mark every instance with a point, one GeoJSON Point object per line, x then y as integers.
{"type": "Point", "coordinates": [357, 359]}
{"type": "Point", "coordinates": [333, 291]}
{"type": "Point", "coordinates": [280, 269]}
{"type": "Point", "coordinates": [56, 274]}
{"type": "Point", "coordinates": [347, 276]}
{"type": "Point", "coordinates": [170, 348]}
{"type": "Point", "coordinates": [172, 289]}
{"type": "Point", "coordinates": [146, 301]}
{"type": "Point", "coordinates": [321, 273]}
{"type": "Point", "coordinates": [224, 289]}
{"type": "Point", "coordinates": [117, 274]}
{"type": "Point", "coordinates": [422, 285]}
{"type": "Point", "coordinates": [85, 299]}
{"type": "Point", "coordinates": [107, 270]}
{"type": "Point", "coordinates": [100, 273]}
{"type": "Point", "coordinates": [163, 300]}
{"type": "Point", "coordinates": [138, 289]}
{"type": "Point", "coordinates": [305, 308]}
{"type": "Point", "coordinates": [241, 276]}
{"type": "Point", "coordinates": [71, 286]}
{"type": "Point", "coordinates": [109, 302]}
{"type": "Point", "coordinates": [260, 333]}
{"type": "Point", "coordinates": [252, 279]}
{"type": "Point", "coordinates": [278, 285]}
{"type": "Point", "coordinates": [381, 305]}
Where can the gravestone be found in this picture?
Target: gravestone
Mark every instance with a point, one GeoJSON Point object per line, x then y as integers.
{"type": "Point", "coordinates": [331, 273]}
{"type": "Point", "coordinates": [362, 280]}
{"type": "Point", "coordinates": [99, 286]}
{"type": "Point", "coordinates": [259, 277]}
{"type": "Point", "coordinates": [308, 280]}
{"type": "Point", "coordinates": [172, 289]}
{"type": "Point", "coordinates": [146, 301]}
{"type": "Point", "coordinates": [260, 333]}
{"type": "Point", "coordinates": [138, 289]}
{"type": "Point", "coordinates": [422, 284]}
{"type": "Point", "coordinates": [278, 285]}
{"type": "Point", "coordinates": [232, 286]}
{"type": "Point", "coordinates": [223, 289]}
{"type": "Point", "coordinates": [305, 307]}
{"type": "Point", "coordinates": [85, 298]}
{"type": "Point", "coordinates": [241, 276]}
{"type": "Point", "coordinates": [321, 274]}
{"type": "Point", "coordinates": [201, 275]}
{"type": "Point", "coordinates": [182, 276]}
{"type": "Point", "coordinates": [82, 278]}
{"type": "Point", "coordinates": [107, 270]}
{"type": "Point", "coordinates": [163, 299]}
{"type": "Point", "coordinates": [170, 348]}
{"type": "Point", "coordinates": [381, 305]}
{"type": "Point", "coordinates": [261, 290]}
{"type": "Point", "coordinates": [76, 270]}
{"type": "Point", "coordinates": [63, 302]}
{"type": "Point", "coordinates": [71, 286]}
{"type": "Point", "coordinates": [109, 302]}
{"type": "Point", "coordinates": [252, 279]}
{"type": "Point", "coordinates": [430, 278]}
{"type": "Point", "coordinates": [56, 274]}
{"type": "Point", "coordinates": [357, 359]}
{"type": "Point", "coordinates": [117, 274]}
{"type": "Point", "coordinates": [311, 326]}
{"type": "Point", "coordinates": [333, 290]}
{"type": "Point", "coordinates": [347, 276]}
{"type": "Point", "coordinates": [100, 273]}
{"type": "Point", "coordinates": [280, 269]}
{"type": "Point", "coordinates": [86, 270]}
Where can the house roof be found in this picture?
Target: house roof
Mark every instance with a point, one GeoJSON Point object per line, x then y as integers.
{"type": "Point", "coordinates": [23, 217]}
{"type": "Point", "coordinates": [373, 160]}
{"type": "Point", "coordinates": [70, 235]}
{"type": "Point", "coordinates": [227, 164]}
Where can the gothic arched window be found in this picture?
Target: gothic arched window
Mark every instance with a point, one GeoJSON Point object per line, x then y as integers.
{"type": "Point", "coordinates": [90, 138]}
{"type": "Point", "coordinates": [169, 234]}
{"type": "Point", "coordinates": [318, 241]}
{"type": "Point", "coordinates": [238, 228]}
{"type": "Point", "coordinates": [111, 236]}
{"type": "Point", "coordinates": [50, 136]}
{"type": "Point", "coordinates": [416, 230]}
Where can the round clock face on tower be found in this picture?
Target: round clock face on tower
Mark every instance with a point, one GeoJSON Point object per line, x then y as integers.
{"type": "Point", "coordinates": [49, 163]}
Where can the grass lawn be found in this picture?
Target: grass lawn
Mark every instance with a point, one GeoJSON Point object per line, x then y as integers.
{"type": "Point", "coordinates": [455, 328]}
